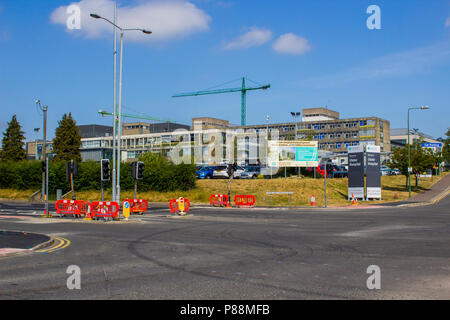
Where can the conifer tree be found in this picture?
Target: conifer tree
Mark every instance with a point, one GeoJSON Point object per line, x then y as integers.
{"type": "Point", "coordinates": [13, 142]}
{"type": "Point", "coordinates": [67, 142]}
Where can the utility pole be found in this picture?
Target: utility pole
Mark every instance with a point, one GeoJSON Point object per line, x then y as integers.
{"type": "Point", "coordinates": [44, 149]}
{"type": "Point", "coordinates": [119, 129]}
{"type": "Point", "coordinates": [409, 147]}
{"type": "Point", "coordinates": [114, 111]}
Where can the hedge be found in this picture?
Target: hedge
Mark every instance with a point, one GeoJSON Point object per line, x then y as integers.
{"type": "Point", "coordinates": [159, 175]}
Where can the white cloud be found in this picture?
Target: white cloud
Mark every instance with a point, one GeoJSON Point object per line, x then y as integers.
{"type": "Point", "coordinates": [290, 43]}
{"type": "Point", "coordinates": [252, 38]}
{"type": "Point", "coordinates": [166, 19]}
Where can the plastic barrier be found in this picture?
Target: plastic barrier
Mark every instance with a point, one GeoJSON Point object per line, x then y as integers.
{"type": "Point", "coordinates": [219, 200]}
{"type": "Point", "coordinates": [72, 207]}
{"type": "Point", "coordinates": [104, 209]}
{"type": "Point", "coordinates": [137, 205]}
{"type": "Point", "coordinates": [245, 201]}
{"type": "Point", "coordinates": [179, 205]}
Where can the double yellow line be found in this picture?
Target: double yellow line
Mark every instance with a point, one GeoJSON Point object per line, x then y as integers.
{"type": "Point", "coordinates": [62, 243]}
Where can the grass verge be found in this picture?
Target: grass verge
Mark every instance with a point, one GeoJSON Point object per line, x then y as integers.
{"type": "Point", "coordinates": [302, 188]}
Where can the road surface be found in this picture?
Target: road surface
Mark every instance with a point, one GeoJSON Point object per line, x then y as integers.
{"type": "Point", "coordinates": [236, 254]}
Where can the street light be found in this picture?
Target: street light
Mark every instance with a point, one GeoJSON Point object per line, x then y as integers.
{"type": "Point", "coordinates": [295, 115]}
{"type": "Point", "coordinates": [409, 147]}
{"type": "Point", "coordinates": [122, 31]}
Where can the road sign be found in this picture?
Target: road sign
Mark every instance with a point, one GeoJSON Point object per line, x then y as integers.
{"type": "Point", "coordinates": [126, 209]}
{"type": "Point", "coordinates": [431, 145]}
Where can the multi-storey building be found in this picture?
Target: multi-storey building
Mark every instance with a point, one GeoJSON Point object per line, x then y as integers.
{"type": "Point", "coordinates": [321, 124]}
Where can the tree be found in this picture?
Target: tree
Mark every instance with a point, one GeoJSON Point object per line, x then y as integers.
{"type": "Point", "coordinates": [446, 147]}
{"type": "Point", "coordinates": [421, 160]}
{"type": "Point", "coordinates": [67, 142]}
{"type": "Point", "coordinates": [13, 142]}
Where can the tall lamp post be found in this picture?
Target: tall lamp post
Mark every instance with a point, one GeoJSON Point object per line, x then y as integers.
{"type": "Point", "coordinates": [295, 115]}
{"type": "Point", "coordinates": [122, 31]}
{"type": "Point", "coordinates": [44, 149]}
{"type": "Point", "coordinates": [409, 147]}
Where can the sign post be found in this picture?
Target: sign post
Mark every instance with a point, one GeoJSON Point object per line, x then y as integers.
{"type": "Point", "coordinates": [373, 173]}
{"type": "Point", "coordinates": [126, 210]}
{"type": "Point", "coordinates": [356, 172]}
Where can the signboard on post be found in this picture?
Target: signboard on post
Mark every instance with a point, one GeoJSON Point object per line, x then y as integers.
{"type": "Point", "coordinates": [293, 154]}
{"type": "Point", "coordinates": [355, 172]}
{"type": "Point", "coordinates": [432, 145]}
{"type": "Point", "coordinates": [373, 173]}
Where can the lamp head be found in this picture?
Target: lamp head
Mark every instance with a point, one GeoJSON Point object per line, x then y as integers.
{"type": "Point", "coordinates": [424, 107]}
{"type": "Point", "coordinates": [95, 16]}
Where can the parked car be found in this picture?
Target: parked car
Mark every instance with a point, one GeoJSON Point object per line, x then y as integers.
{"type": "Point", "coordinates": [237, 174]}
{"type": "Point", "coordinates": [251, 173]}
{"type": "Point", "coordinates": [395, 172]}
{"type": "Point", "coordinates": [205, 173]}
{"type": "Point", "coordinates": [385, 170]}
{"type": "Point", "coordinates": [221, 172]}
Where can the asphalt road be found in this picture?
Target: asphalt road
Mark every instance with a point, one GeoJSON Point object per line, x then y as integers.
{"type": "Point", "coordinates": [236, 254]}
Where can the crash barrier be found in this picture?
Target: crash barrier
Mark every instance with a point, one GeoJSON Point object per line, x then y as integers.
{"type": "Point", "coordinates": [180, 205]}
{"type": "Point", "coordinates": [245, 201]}
{"type": "Point", "coordinates": [219, 200]}
{"type": "Point", "coordinates": [137, 205]}
{"type": "Point", "coordinates": [289, 193]}
{"type": "Point", "coordinates": [72, 207]}
{"type": "Point", "coordinates": [104, 209]}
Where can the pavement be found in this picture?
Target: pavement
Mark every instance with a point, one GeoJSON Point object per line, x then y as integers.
{"type": "Point", "coordinates": [14, 242]}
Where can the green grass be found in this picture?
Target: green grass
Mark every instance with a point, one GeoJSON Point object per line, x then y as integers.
{"type": "Point", "coordinates": [302, 188]}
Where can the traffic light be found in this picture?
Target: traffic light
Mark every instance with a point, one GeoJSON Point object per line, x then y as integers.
{"type": "Point", "coordinates": [137, 170]}
{"type": "Point", "coordinates": [140, 171]}
{"type": "Point", "coordinates": [105, 170]}
{"type": "Point", "coordinates": [71, 168]}
{"type": "Point", "coordinates": [68, 170]}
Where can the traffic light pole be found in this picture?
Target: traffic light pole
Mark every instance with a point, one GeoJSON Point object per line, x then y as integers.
{"type": "Point", "coordinates": [103, 195]}
{"type": "Point", "coordinates": [135, 188]}
{"type": "Point", "coordinates": [46, 188]}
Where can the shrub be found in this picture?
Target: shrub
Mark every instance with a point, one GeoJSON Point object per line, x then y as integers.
{"type": "Point", "coordinates": [159, 175]}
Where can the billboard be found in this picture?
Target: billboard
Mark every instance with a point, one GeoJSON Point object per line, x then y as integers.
{"type": "Point", "coordinates": [356, 172]}
{"type": "Point", "coordinates": [293, 154]}
{"type": "Point", "coordinates": [373, 173]}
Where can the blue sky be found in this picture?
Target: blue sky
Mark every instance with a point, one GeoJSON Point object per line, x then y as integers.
{"type": "Point", "coordinates": [313, 53]}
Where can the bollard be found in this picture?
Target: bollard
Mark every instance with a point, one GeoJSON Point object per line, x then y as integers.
{"type": "Point", "coordinates": [313, 200]}
{"type": "Point", "coordinates": [396, 195]}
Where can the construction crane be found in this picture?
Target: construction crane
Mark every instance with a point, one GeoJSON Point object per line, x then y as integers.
{"type": "Point", "coordinates": [104, 114]}
{"type": "Point", "coordinates": [242, 89]}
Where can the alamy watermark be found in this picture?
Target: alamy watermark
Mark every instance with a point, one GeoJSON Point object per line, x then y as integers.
{"type": "Point", "coordinates": [73, 22]}
{"type": "Point", "coordinates": [374, 20]}
{"type": "Point", "coordinates": [374, 281]}
{"type": "Point", "coordinates": [74, 280]}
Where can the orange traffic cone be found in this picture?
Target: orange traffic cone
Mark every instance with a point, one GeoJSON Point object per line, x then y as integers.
{"type": "Point", "coordinates": [354, 200]}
